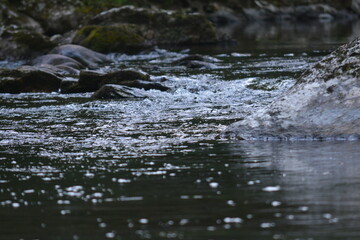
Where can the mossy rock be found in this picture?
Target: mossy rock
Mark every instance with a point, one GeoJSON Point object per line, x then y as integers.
{"type": "Point", "coordinates": [23, 44]}
{"type": "Point", "coordinates": [157, 27]}
{"type": "Point", "coordinates": [33, 40]}
{"type": "Point", "coordinates": [105, 39]}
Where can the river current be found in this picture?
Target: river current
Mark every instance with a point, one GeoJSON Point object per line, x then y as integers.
{"type": "Point", "coordinates": [75, 168]}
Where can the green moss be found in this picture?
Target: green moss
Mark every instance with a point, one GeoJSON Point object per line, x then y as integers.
{"type": "Point", "coordinates": [34, 41]}
{"type": "Point", "coordinates": [110, 38]}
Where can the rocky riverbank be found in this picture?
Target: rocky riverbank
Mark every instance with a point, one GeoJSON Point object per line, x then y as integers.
{"type": "Point", "coordinates": [32, 28]}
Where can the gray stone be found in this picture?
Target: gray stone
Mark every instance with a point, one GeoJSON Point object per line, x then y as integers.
{"type": "Point", "coordinates": [92, 80]}
{"type": "Point", "coordinates": [85, 56]}
{"type": "Point", "coordinates": [28, 79]}
{"type": "Point", "coordinates": [68, 65]}
{"type": "Point", "coordinates": [323, 104]}
{"type": "Point", "coordinates": [113, 91]}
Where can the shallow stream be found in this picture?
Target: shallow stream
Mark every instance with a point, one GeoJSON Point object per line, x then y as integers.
{"type": "Point", "coordinates": [155, 168]}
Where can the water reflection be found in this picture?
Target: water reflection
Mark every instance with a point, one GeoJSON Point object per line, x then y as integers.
{"type": "Point", "coordinates": [316, 185]}
{"type": "Point", "coordinates": [213, 190]}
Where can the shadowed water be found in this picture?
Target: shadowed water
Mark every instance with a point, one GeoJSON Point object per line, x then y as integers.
{"type": "Point", "coordinates": [75, 168]}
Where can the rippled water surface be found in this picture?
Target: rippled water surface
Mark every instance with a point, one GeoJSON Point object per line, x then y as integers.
{"type": "Point", "coordinates": [75, 168]}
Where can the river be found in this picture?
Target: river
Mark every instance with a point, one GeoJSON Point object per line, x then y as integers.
{"type": "Point", "coordinates": [75, 168]}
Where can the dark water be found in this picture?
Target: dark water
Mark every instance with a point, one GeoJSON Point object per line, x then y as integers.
{"type": "Point", "coordinates": [74, 168]}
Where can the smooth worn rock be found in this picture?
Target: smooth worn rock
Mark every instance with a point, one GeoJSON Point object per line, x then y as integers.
{"type": "Point", "coordinates": [85, 56]}
{"type": "Point", "coordinates": [92, 80]}
{"type": "Point", "coordinates": [197, 61]}
{"type": "Point", "coordinates": [28, 79]}
{"type": "Point", "coordinates": [68, 65]}
{"type": "Point", "coordinates": [113, 91]}
{"type": "Point", "coordinates": [323, 104]}
{"type": "Point", "coordinates": [127, 26]}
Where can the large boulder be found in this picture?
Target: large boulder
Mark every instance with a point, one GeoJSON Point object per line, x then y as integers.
{"type": "Point", "coordinates": [11, 17]}
{"type": "Point", "coordinates": [56, 16]}
{"type": "Point", "coordinates": [62, 63]}
{"type": "Point", "coordinates": [28, 79]}
{"type": "Point", "coordinates": [117, 28]}
{"type": "Point", "coordinates": [323, 104]}
{"type": "Point", "coordinates": [21, 44]}
{"type": "Point", "coordinates": [84, 56]}
{"type": "Point", "coordinates": [20, 35]}
{"type": "Point", "coordinates": [115, 38]}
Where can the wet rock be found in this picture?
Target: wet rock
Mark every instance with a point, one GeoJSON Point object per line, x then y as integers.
{"type": "Point", "coordinates": [323, 104]}
{"type": "Point", "coordinates": [66, 64]}
{"type": "Point", "coordinates": [92, 80]}
{"type": "Point", "coordinates": [113, 91]}
{"type": "Point", "coordinates": [197, 61]}
{"type": "Point", "coordinates": [117, 28]}
{"type": "Point", "coordinates": [87, 57]}
{"type": "Point", "coordinates": [146, 85]}
{"type": "Point", "coordinates": [199, 64]}
{"type": "Point", "coordinates": [70, 85]}
{"type": "Point", "coordinates": [28, 79]}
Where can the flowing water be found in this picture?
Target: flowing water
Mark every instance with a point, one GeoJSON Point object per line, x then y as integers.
{"type": "Point", "coordinates": [75, 168]}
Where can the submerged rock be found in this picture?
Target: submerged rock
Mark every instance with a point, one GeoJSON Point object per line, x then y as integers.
{"type": "Point", "coordinates": [128, 28]}
{"type": "Point", "coordinates": [113, 91]}
{"type": "Point", "coordinates": [92, 80]}
{"type": "Point", "coordinates": [197, 61]}
{"type": "Point", "coordinates": [28, 79]}
{"type": "Point", "coordinates": [323, 104]}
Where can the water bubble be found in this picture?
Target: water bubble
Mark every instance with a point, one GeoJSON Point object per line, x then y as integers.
{"type": "Point", "coordinates": [267, 225]}
{"type": "Point", "coordinates": [230, 203]}
{"type": "Point", "coordinates": [211, 228]}
{"type": "Point", "coordinates": [110, 235]}
{"type": "Point", "coordinates": [275, 203]}
{"type": "Point", "coordinates": [15, 205]}
{"type": "Point", "coordinates": [233, 220]}
{"type": "Point", "coordinates": [144, 221]}
{"type": "Point", "coordinates": [271, 189]}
